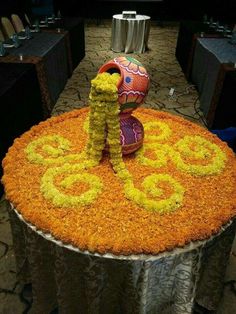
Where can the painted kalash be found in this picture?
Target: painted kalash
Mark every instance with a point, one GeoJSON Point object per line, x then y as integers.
{"type": "Point", "coordinates": [120, 86]}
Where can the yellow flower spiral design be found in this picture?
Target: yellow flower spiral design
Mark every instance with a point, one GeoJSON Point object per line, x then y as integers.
{"type": "Point", "coordinates": [58, 198]}
{"type": "Point", "coordinates": [192, 154]}
{"type": "Point", "coordinates": [162, 128]}
{"type": "Point", "coordinates": [54, 148]}
{"type": "Point", "coordinates": [150, 187]}
{"type": "Point", "coordinates": [199, 149]}
{"type": "Point", "coordinates": [161, 151]}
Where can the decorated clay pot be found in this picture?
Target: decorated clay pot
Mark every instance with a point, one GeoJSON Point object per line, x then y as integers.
{"type": "Point", "coordinates": [131, 134]}
{"type": "Point", "coordinates": [134, 82]}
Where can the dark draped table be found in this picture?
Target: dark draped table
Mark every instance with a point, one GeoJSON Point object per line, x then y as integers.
{"type": "Point", "coordinates": [213, 58]}
{"type": "Point", "coordinates": [76, 39]}
{"type": "Point", "coordinates": [75, 28]}
{"type": "Point", "coordinates": [188, 33]}
{"type": "Point", "coordinates": [20, 103]}
{"type": "Point", "coordinates": [225, 112]}
{"type": "Point", "coordinates": [48, 51]}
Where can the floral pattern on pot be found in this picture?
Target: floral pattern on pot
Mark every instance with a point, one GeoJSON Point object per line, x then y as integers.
{"type": "Point", "coordinates": [131, 134]}
{"type": "Point", "coordinates": [134, 83]}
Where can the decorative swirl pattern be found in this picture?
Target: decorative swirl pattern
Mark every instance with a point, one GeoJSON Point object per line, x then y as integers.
{"type": "Point", "coordinates": [56, 155]}
{"type": "Point", "coordinates": [52, 193]}
{"type": "Point", "coordinates": [192, 154]}
{"type": "Point", "coordinates": [163, 128]}
{"type": "Point", "coordinates": [149, 184]}
{"type": "Point", "coordinates": [161, 151]}
{"type": "Point", "coordinates": [192, 149]}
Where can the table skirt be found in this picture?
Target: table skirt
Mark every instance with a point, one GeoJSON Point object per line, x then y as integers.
{"type": "Point", "coordinates": [130, 35]}
{"type": "Point", "coordinates": [83, 283]}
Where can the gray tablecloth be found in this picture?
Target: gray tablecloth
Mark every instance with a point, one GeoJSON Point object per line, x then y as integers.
{"type": "Point", "coordinates": [209, 54]}
{"type": "Point", "coordinates": [82, 283]}
{"type": "Point", "coordinates": [52, 48]}
{"type": "Point", "coordinates": [130, 34]}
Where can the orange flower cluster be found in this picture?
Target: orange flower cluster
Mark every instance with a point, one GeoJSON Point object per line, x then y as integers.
{"type": "Point", "coordinates": [111, 222]}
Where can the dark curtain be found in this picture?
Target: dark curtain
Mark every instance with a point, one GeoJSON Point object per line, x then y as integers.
{"type": "Point", "coordinates": [166, 9]}
{"type": "Point", "coordinates": [20, 7]}
{"type": "Point", "coordinates": [71, 7]}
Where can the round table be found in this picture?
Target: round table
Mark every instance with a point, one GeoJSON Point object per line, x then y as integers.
{"type": "Point", "coordinates": [79, 281]}
{"type": "Point", "coordinates": [130, 34]}
{"type": "Point", "coordinates": [63, 277]}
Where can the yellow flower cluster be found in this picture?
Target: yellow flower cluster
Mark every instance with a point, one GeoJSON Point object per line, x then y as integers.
{"type": "Point", "coordinates": [161, 151]}
{"type": "Point", "coordinates": [104, 117]}
{"type": "Point", "coordinates": [163, 130]}
{"type": "Point", "coordinates": [59, 198]}
{"type": "Point", "coordinates": [51, 149]}
{"type": "Point", "coordinates": [104, 87]}
{"type": "Point", "coordinates": [150, 184]}
{"type": "Point", "coordinates": [86, 125]}
{"type": "Point", "coordinates": [185, 154]}
{"type": "Point", "coordinates": [198, 148]}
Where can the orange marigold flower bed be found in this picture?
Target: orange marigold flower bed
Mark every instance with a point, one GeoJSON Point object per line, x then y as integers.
{"type": "Point", "coordinates": [180, 187]}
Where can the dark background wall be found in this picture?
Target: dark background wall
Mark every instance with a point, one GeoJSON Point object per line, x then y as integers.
{"type": "Point", "coordinates": [222, 10]}
{"type": "Point", "coordinates": [7, 7]}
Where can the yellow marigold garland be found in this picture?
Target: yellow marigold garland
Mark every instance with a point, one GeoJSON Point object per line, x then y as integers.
{"type": "Point", "coordinates": [104, 111]}
{"type": "Point", "coordinates": [104, 121]}
{"type": "Point", "coordinates": [86, 125]}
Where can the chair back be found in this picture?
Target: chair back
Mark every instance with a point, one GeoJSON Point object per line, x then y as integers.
{"type": "Point", "coordinates": [7, 27]}
{"type": "Point", "coordinates": [1, 36]}
{"type": "Point", "coordinates": [17, 23]}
